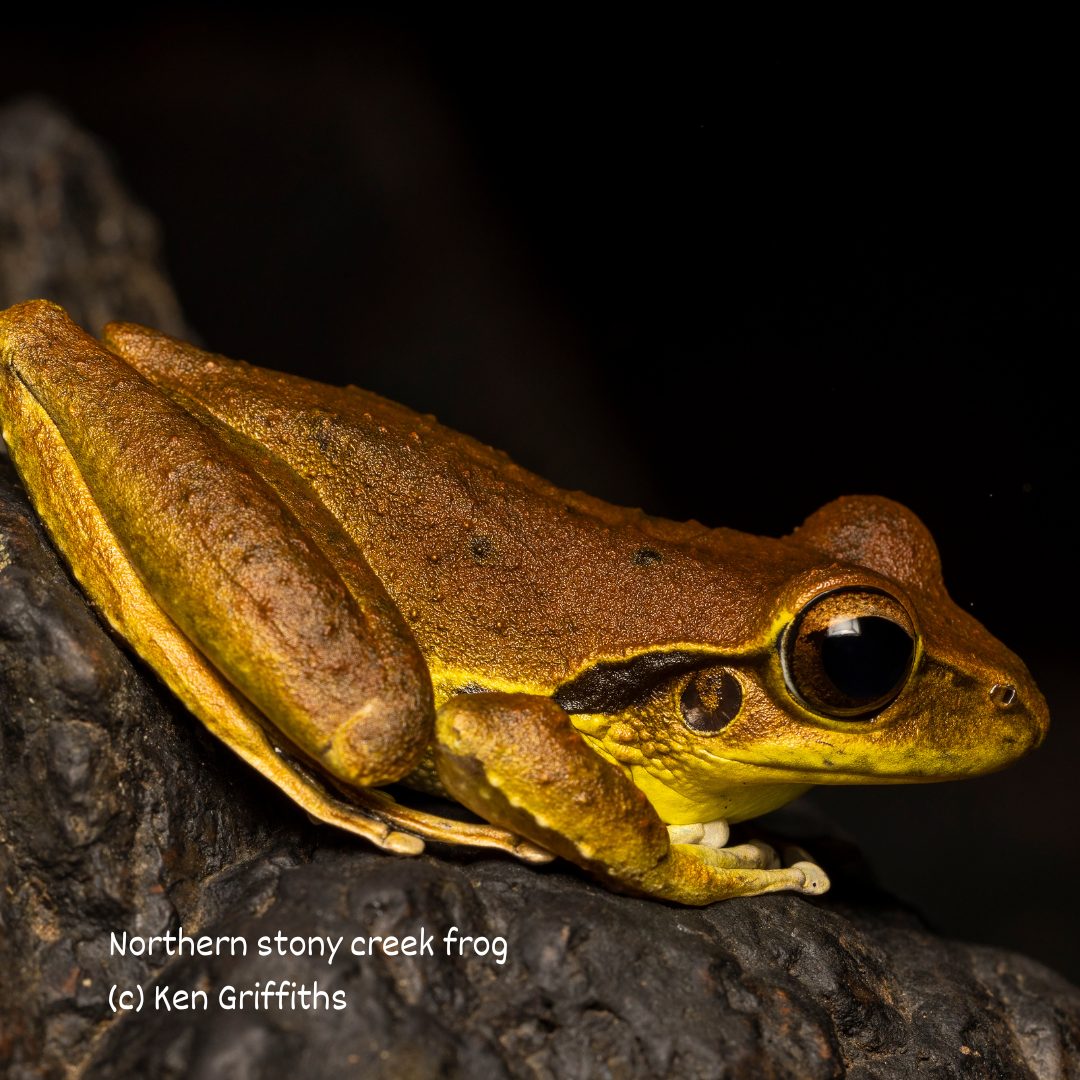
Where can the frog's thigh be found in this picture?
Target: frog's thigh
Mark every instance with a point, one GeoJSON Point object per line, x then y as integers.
{"type": "Point", "coordinates": [518, 761]}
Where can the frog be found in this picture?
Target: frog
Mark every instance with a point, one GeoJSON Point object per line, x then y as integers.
{"type": "Point", "coordinates": [354, 597]}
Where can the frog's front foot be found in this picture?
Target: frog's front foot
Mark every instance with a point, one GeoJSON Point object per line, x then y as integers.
{"type": "Point", "coordinates": [548, 785]}
{"type": "Point", "coordinates": [710, 838]}
{"type": "Point", "coordinates": [756, 866]}
{"type": "Point", "coordinates": [714, 835]}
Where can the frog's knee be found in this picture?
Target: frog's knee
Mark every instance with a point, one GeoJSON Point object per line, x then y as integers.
{"type": "Point", "coordinates": [380, 743]}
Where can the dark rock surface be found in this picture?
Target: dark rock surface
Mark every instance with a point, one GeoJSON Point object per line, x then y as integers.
{"type": "Point", "coordinates": [69, 232]}
{"type": "Point", "coordinates": [594, 985]}
{"type": "Point", "coordinates": [118, 813]}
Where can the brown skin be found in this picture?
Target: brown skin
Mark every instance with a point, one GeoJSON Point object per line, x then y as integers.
{"type": "Point", "coordinates": [284, 525]}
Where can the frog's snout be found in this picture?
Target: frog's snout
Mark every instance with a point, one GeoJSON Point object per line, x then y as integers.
{"type": "Point", "coordinates": [1022, 709]}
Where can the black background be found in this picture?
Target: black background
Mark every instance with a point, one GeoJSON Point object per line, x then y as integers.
{"type": "Point", "coordinates": [719, 271]}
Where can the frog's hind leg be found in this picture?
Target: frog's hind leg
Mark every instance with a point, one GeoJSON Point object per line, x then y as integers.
{"type": "Point", "coordinates": [367, 812]}
{"type": "Point", "coordinates": [100, 404]}
{"type": "Point", "coordinates": [236, 723]}
{"type": "Point", "coordinates": [447, 830]}
{"type": "Point", "coordinates": [517, 760]}
{"type": "Point", "coordinates": [234, 547]}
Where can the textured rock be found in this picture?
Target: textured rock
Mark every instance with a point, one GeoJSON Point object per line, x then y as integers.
{"type": "Point", "coordinates": [594, 985]}
{"type": "Point", "coordinates": [69, 232]}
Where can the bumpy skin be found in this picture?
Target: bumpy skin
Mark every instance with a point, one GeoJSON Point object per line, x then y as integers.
{"type": "Point", "coordinates": [322, 551]}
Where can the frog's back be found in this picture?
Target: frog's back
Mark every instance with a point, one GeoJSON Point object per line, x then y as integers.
{"type": "Point", "coordinates": [495, 568]}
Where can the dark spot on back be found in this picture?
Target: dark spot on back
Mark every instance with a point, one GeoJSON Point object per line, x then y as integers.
{"type": "Point", "coordinates": [646, 557]}
{"type": "Point", "coordinates": [481, 549]}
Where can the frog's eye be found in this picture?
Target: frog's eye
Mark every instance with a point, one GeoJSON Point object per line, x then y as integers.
{"type": "Point", "coordinates": [711, 700]}
{"type": "Point", "coordinates": [848, 653]}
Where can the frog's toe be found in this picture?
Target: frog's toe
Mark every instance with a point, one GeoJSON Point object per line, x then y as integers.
{"type": "Point", "coordinates": [713, 834]}
{"type": "Point", "coordinates": [755, 855]}
{"type": "Point", "coordinates": [752, 856]}
{"type": "Point", "coordinates": [710, 839]}
{"type": "Point", "coordinates": [403, 843]}
{"type": "Point", "coordinates": [716, 833]}
{"type": "Point", "coordinates": [532, 853]}
{"type": "Point", "coordinates": [686, 834]}
{"type": "Point", "coordinates": [793, 854]}
{"type": "Point", "coordinates": [816, 880]}
{"type": "Point", "coordinates": [798, 858]}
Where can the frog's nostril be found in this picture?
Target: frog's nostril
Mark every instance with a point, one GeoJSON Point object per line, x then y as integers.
{"type": "Point", "coordinates": [1002, 695]}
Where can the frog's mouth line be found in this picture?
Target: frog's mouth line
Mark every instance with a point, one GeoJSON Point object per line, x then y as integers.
{"type": "Point", "coordinates": [829, 774]}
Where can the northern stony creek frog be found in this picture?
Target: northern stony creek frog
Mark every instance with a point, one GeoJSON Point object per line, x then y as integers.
{"type": "Point", "coordinates": [351, 595]}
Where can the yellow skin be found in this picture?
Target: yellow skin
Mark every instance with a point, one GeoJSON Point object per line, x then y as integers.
{"type": "Point", "coordinates": [351, 595]}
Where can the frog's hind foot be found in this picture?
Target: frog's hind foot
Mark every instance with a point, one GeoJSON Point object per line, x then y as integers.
{"type": "Point", "coordinates": [377, 816]}
{"type": "Point", "coordinates": [249, 739]}
{"type": "Point", "coordinates": [446, 830]}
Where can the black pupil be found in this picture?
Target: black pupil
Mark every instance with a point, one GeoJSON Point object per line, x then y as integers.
{"type": "Point", "coordinates": [870, 663]}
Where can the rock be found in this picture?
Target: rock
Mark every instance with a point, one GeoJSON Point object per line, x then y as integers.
{"type": "Point", "coordinates": [593, 985]}
{"type": "Point", "coordinates": [70, 232]}
{"type": "Point", "coordinates": [120, 817]}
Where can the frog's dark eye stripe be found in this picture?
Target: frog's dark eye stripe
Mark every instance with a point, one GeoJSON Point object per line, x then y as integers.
{"type": "Point", "coordinates": [612, 686]}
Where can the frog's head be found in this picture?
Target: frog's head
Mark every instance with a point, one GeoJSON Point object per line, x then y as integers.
{"type": "Point", "coordinates": [861, 671]}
